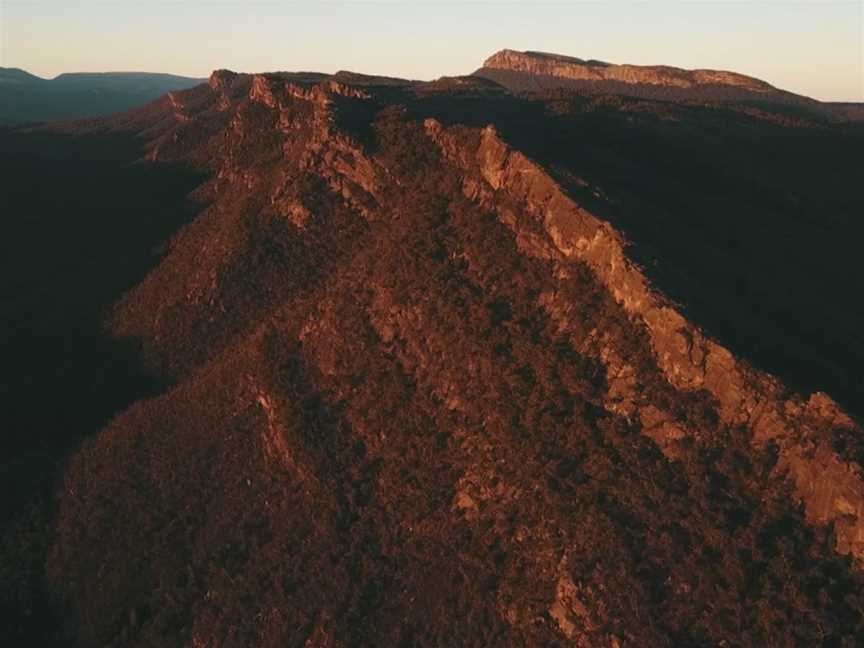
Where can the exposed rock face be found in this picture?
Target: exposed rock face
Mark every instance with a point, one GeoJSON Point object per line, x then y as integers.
{"type": "Point", "coordinates": [688, 360]}
{"type": "Point", "coordinates": [531, 72]}
{"type": "Point", "coordinates": [421, 393]}
{"type": "Point", "coordinates": [567, 67]}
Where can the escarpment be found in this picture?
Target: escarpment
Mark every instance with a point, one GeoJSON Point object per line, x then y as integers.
{"type": "Point", "coordinates": [420, 388]}
{"type": "Point", "coordinates": [538, 63]}
{"type": "Point", "coordinates": [531, 72]}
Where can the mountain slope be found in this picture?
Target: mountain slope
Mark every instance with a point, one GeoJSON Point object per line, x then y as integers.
{"type": "Point", "coordinates": [28, 98]}
{"type": "Point", "coordinates": [422, 394]}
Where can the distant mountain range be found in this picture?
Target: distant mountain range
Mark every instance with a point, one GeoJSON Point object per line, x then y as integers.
{"type": "Point", "coordinates": [25, 97]}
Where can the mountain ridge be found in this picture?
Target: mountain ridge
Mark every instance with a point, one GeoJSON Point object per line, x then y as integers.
{"type": "Point", "coordinates": [106, 73]}
{"type": "Point", "coordinates": [547, 64]}
{"type": "Point", "coordinates": [421, 389]}
{"type": "Point", "coordinates": [531, 72]}
{"type": "Point", "coordinates": [25, 97]}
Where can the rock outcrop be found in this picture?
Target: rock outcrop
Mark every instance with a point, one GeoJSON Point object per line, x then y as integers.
{"type": "Point", "coordinates": [567, 67]}
{"type": "Point", "coordinates": [833, 492]}
{"type": "Point", "coordinates": [539, 72]}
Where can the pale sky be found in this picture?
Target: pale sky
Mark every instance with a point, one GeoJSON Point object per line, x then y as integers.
{"type": "Point", "coordinates": [814, 48]}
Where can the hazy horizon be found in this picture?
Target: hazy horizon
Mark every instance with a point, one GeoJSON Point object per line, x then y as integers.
{"type": "Point", "coordinates": [811, 48]}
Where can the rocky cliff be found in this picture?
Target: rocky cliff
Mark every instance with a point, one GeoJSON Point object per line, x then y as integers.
{"type": "Point", "coordinates": [567, 67]}
{"type": "Point", "coordinates": [421, 391]}
{"type": "Point", "coordinates": [529, 72]}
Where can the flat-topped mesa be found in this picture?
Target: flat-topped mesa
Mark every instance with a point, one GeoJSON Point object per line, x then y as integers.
{"type": "Point", "coordinates": [568, 67]}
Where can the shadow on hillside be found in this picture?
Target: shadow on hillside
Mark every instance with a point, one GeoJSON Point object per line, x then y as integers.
{"type": "Point", "coordinates": [82, 223]}
{"type": "Point", "coordinates": [754, 227]}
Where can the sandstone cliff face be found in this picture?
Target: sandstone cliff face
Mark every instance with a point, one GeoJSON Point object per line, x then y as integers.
{"type": "Point", "coordinates": [538, 72]}
{"type": "Point", "coordinates": [422, 394]}
{"type": "Point", "coordinates": [577, 69]}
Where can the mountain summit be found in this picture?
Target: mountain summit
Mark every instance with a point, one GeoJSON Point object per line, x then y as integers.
{"type": "Point", "coordinates": [567, 67]}
{"type": "Point", "coordinates": [538, 71]}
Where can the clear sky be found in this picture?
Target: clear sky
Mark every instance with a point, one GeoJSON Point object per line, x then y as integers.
{"type": "Point", "coordinates": [814, 48]}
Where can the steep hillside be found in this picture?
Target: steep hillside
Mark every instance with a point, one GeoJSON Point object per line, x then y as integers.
{"type": "Point", "coordinates": [420, 389]}
{"type": "Point", "coordinates": [81, 225]}
{"type": "Point", "coordinates": [540, 64]}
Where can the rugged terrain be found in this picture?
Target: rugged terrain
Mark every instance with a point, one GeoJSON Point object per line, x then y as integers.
{"type": "Point", "coordinates": [25, 97]}
{"type": "Point", "coordinates": [534, 71]}
{"type": "Point", "coordinates": [443, 363]}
